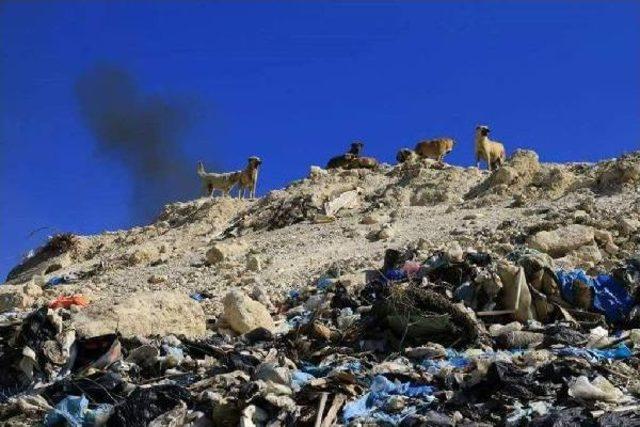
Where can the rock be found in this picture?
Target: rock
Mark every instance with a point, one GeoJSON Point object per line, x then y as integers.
{"type": "Point", "coordinates": [316, 172]}
{"type": "Point", "coordinates": [157, 278]}
{"type": "Point", "coordinates": [386, 232]}
{"type": "Point", "coordinates": [14, 297]}
{"type": "Point", "coordinates": [259, 294]}
{"type": "Point", "coordinates": [561, 241]}
{"type": "Point", "coordinates": [602, 237]}
{"type": "Point", "coordinates": [225, 250]}
{"type": "Point", "coordinates": [454, 252]}
{"type": "Point", "coordinates": [346, 200]}
{"type": "Point", "coordinates": [32, 290]}
{"type": "Point", "coordinates": [616, 174]}
{"type": "Point", "coordinates": [370, 219]}
{"type": "Point", "coordinates": [143, 313]}
{"type": "Point", "coordinates": [589, 254]}
{"type": "Point", "coordinates": [243, 314]}
{"type": "Point", "coordinates": [254, 263]}
{"type": "Point", "coordinates": [629, 225]}
{"type": "Point", "coordinates": [144, 254]}
{"type": "Point", "coordinates": [473, 216]}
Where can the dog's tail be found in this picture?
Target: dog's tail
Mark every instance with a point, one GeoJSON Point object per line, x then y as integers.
{"type": "Point", "coordinates": [200, 169]}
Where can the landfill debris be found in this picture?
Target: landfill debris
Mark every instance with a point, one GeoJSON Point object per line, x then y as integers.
{"type": "Point", "coordinates": [456, 337]}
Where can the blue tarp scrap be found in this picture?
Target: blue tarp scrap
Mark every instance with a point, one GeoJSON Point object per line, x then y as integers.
{"type": "Point", "coordinates": [395, 274]}
{"type": "Point", "coordinates": [618, 353]}
{"type": "Point", "coordinates": [299, 379]}
{"type": "Point", "coordinates": [453, 359]}
{"type": "Point", "coordinates": [370, 405]}
{"type": "Point", "coordinates": [73, 411]}
{"type": "Point", "coordinates": [609, 297]}
{"type": "Point", "coordinates": [196, 296]}
{"type": "Point", "coordinates": [324, 283]}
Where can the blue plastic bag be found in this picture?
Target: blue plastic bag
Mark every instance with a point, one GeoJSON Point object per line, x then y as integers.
{"type": "Point", "coordinates": [73, 411]}
{"type": "Point", "coordinates": [609, 297]}
{"type": "Point", "coordinates": [371, 404]}
{"type": "Point", "coordinates": [619, 353]}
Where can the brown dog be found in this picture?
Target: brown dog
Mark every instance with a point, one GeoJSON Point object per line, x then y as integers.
{"type": "Point", "coordinates": [342, 160]}
{"type": "Point", "coordinates": [248, 178]}
{"type": "Point", "coordinates": [435, 149]}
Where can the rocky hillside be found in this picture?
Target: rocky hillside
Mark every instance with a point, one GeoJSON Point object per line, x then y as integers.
{"type": "Point", "coordinates": [338, 221]}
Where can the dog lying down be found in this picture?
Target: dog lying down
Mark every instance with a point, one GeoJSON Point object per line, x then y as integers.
{"type": "Point", "coordinates": [352, 159]}
{"type": "Point", "coordinates": [246, 179]}
{"type": "Point", "coordinates": [434, 149]}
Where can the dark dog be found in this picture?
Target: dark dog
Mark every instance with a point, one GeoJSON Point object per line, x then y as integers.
{"type": "Point", "coordinates": [343, 160]}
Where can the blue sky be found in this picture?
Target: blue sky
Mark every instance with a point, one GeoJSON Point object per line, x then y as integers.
{"type": "Point", "coordinates": [294, 83]}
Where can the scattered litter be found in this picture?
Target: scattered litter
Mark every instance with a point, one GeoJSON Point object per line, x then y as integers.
{"type": "Point", "coordinates": [68, 301]}
{"type": "Point", "coordinates": [459, 338]}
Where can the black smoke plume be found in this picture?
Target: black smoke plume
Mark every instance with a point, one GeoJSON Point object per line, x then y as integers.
{"type": "Point", "coordinates": [143, 133]}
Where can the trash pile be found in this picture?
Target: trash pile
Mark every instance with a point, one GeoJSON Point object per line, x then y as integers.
{"type": "Point", "coordinates": [458, 338]}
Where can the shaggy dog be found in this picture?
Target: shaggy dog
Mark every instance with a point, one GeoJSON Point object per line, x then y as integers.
{"type": "Point", "coordinates": [490, 151]}
{"type": "Point", "coordinates": [343, 160]}
{"type": "Point", "coordinates": [248, 178]}
{"type": "Point", "coordinates": [212, 181]}
{"type": "Point", "coordinates": [434, 149]}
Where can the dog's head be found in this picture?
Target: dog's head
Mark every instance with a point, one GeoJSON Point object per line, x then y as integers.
{"type": "Point", "coordinates": [356, 148]}
{"type": "Point", "coordinates": [482, 130]}
{"type": "Point", "coordinates": [448, 145]}
{"type": "Point", "coordinates": [254, 161]}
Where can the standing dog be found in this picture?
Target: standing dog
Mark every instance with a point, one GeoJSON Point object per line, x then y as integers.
{"type": "Point", "coordinates": [490, 151]}
{"type": "Point", "coordinates": [212, 181]}
{"type": "Point", "coordinates": [248, 178]}
{"type": "Point", "coordinates": [435, 149]}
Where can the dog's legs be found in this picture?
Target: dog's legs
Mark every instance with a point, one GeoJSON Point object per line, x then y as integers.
{"type": "Point", "coordinates": [478, 160]}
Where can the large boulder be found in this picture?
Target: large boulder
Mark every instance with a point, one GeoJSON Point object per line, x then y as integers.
{"type": "Point", "coordinates": [143, 314]}
{"type": "Point", "coordinates": [144, 254]}
{"type": "Point", "coordinates": [225, 250]}
{"type": "Point", "coordinates": [19, 297]}
{"type": "Point", "coordinates": [243, 314]}
{"type": "Point", "coordinates": [563, 240]}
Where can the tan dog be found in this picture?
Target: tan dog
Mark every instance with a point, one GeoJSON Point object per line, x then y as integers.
{"type": "Point", "coordinates": [435, 149]}
{"type": "Point", "coordinates": [248, 179]}
{"type": "Point", "coordinates": [212, 181]}
{"type": "Point", "coordinates": [490, 151]}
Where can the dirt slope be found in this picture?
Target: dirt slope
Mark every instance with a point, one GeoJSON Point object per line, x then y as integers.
{"type": "Point", "coordinates": [344, 220]}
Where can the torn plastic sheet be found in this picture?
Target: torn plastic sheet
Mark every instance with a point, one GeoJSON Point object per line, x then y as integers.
{"type": "Point", "coordinates": [609, 297]}
{"type": "Point", "coordinates": [73, 411]}
{"type": "Point", "coordinates": [618, 353]}
{"type": "Point", "coordinates": [371, 404]}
